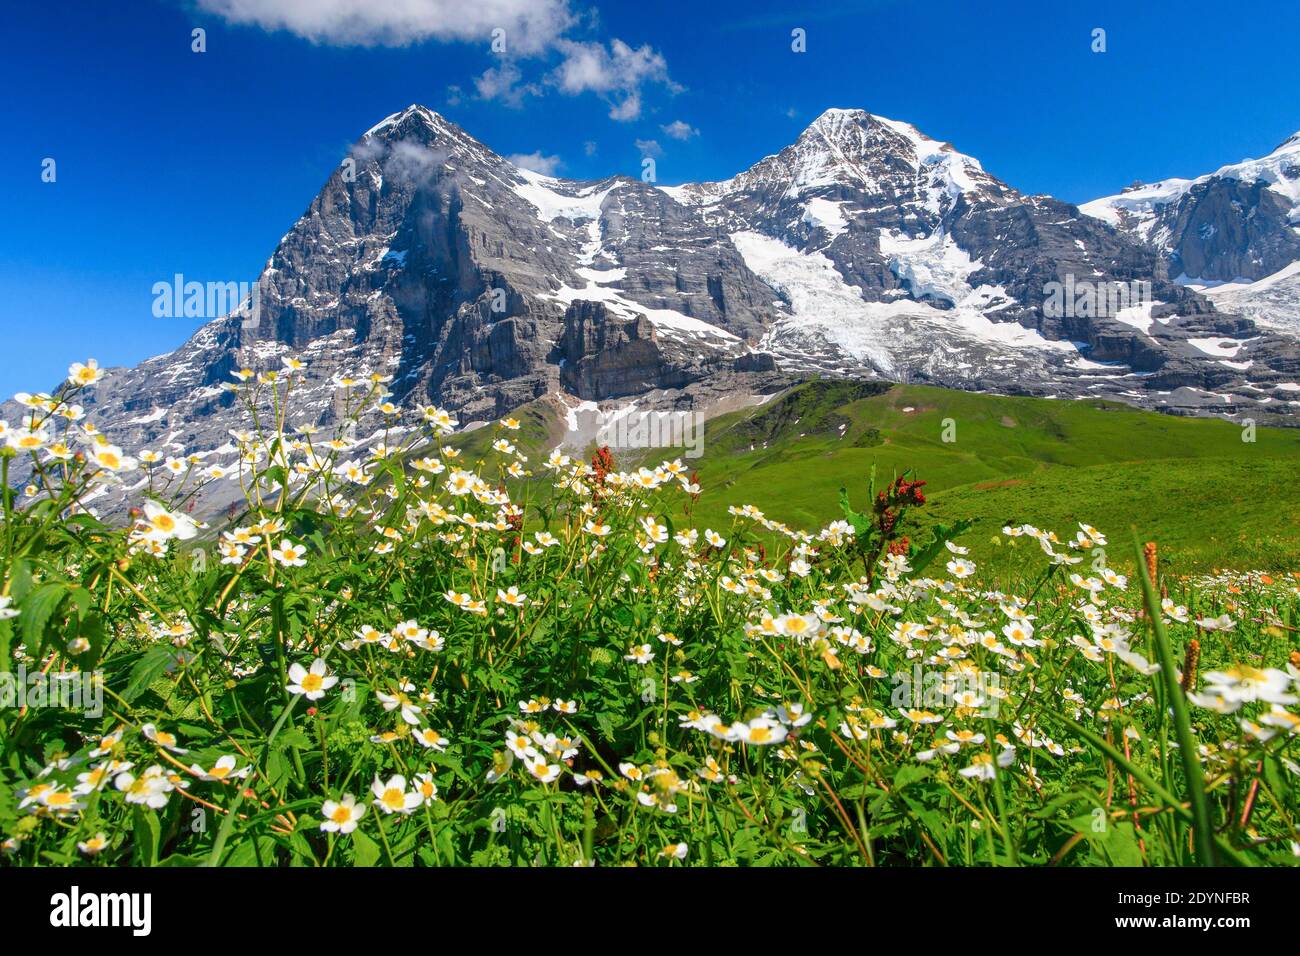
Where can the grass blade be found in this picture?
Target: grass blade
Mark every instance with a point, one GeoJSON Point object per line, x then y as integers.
{"type": "Point", "coordinates": [1204, 831]}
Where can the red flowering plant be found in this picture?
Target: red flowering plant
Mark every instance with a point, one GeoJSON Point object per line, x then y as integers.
{"type": "Point", "coordinates": [877, 533]}
{"type": "Point", "coordinates": [602, 463]}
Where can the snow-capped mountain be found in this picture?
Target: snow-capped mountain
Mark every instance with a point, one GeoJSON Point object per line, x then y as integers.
{"type": "Point", "coordinates": [1233, 234]}
{"type": "Point", "coordinates": [863, 248]}
{"type": "Point", "coordinates": [896, 254]}
{"type": "Point", "coordinates": [1241, 222]}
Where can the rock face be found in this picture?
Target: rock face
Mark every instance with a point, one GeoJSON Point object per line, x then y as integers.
{"type": "Point", "coordinates": [1239, 223]}
{"type": "Point", "coordinates": [863, 249]}
{"type": "Point", "coordinates": [604, 356]}
{"type": "Point", "coordinates": [1233, 235]}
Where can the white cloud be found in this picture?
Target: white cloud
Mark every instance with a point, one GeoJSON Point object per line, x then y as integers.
{"type": "Point", "coordinates": [649, 147]}
{"type": "Point", "coordinates": [678, 129]}
{"type": "Point", "coordinates": [538, 163]}
{"type": "Point", "coordinates": [504, 83]}
{"type": "Point", "coordinates": [411, 162]}
{"type": "Point", "coordinates": [617, 72]}
{"type": "Point", "coordinates": [531, 26]}
{"type": "Point", "coordinates": [402, 161]}
{"type": "Point", "coordinates": [628, 109]}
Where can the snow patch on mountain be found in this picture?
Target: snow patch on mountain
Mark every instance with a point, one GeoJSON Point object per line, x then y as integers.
{"type": "Point", "coordinates": [948, 172]}
{"type": "Point", "coordinates": [1138, 316]}
{"type": "Point", "coordinates": [1217, 346]}
{"type": "Point", "coordinates": [695, 194]}
{"type": "Point", "coordinates": [826, 214]}
{"type": "Point", "coordinates": [1273, 301]}
{"type": "Point", "coordinates": [827, 309]}
{"type": "Point", "coordinates": [668, 321]}
{"type": "Point", "coordinates": [551, 202]}
{"type": "Point", "coordinates": [1137, 206]}
{"type": "Point", "coordinates": [822, 304]}
{"type": "Point", "coordinates": [930, 265]}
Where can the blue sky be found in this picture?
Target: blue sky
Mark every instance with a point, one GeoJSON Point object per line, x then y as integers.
{"type": "Point", "coordinates": [173, 161]}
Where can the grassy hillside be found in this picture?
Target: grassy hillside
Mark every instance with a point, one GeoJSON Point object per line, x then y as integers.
{"type": "Point", "coordinates": [1212, 499]}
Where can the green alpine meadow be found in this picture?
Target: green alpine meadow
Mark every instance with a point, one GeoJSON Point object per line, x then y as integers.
{"type": "Point", "coordinates": [871, 625]}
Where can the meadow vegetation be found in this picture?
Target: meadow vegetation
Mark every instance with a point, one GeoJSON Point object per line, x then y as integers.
{"type": "Point", "coordinates": [432, 648]}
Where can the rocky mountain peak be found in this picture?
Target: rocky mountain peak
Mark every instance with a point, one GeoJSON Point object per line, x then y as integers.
{"type": "Point", "coordinates": [420, 137]}
{"type": "Point", "coordinates": [851, 150]}
{"type": "Point", "coordinates": [407, 122]}
{"type": "Point", "coordinates": [848, 131]}
{"type": "Point", "coordinates": [857, 134]}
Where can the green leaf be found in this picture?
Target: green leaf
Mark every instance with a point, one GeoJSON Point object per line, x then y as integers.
{"type": "Point", "coordinates": [922, 558]}
{"type": "Point", "coordinates": [37, 611]}
{"type": "Point", "coordinates": [1116, 845]}
{"type": "Point", "coordinates": [860, 522]}
{"type": "Point", "coordinates": [252, 851]}
{"type": "Point", "coordinates": [147, 669]}
{"type": "Point", "coordinates": [910, 774]}
{"type": "Point", "coordinates": [293, 737]}
{"type": "Point", "coordinates": [367, 850]}
{"type": "Point", "coordinates": [277, 768]}
{"type": "Point", "coordinates": [6, 642]}
{"type": "Point", "coordinates": [20, 580]}
{"type": "Point", "coordinates": [148, 834]}
{"type": "Point", "coordinates": [92, 629]}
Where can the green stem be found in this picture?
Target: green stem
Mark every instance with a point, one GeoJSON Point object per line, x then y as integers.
{"type": "Point", "coordinates": [1187, 749]}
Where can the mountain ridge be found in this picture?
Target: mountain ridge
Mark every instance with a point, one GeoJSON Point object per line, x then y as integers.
{"type": "Point", "coordinates": [1233, 234]}
{"type": "Point", "coordinates": [863, 249]}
